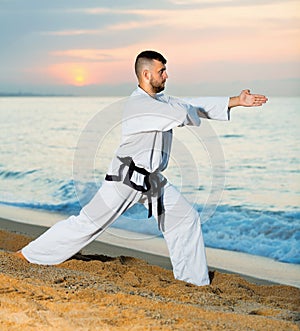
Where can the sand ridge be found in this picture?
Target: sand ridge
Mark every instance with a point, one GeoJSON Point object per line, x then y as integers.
{"type": "Point", "coordinates": [96, 292]}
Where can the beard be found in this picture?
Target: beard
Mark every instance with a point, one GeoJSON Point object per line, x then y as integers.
{"type": "Point", "coordinates": [157, 86]}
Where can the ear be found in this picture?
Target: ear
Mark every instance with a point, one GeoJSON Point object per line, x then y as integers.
{"type": "Point", "coordinates": [146, 74]}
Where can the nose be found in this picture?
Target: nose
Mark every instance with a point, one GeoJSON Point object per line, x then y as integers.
{"type": "Point", "coordinates": [165, 75]}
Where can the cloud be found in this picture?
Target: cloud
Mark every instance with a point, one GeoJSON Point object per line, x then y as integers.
{"type": "Point", "coordinates": [227, 3]}
{"type": "Point", "coordinates": [271, 15]}
{"type": "Point", "coordinates": [87, 54]}
{"type": "Point", "coordinates": [66, 33]}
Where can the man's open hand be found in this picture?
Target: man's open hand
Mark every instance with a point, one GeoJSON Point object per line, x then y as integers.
{"type": "Point", "coordinates": [251, 100]}
{"type": "Point", "coordinates": [246, 99]}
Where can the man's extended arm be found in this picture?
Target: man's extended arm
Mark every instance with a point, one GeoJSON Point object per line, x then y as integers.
{"type": "Point", "coordinates": [246, 99]}
{"type": "Point", "coordinates": [218, 108]}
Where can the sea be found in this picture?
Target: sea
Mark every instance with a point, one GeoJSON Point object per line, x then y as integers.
{"type": "Point", "coordinates": [243, 176]}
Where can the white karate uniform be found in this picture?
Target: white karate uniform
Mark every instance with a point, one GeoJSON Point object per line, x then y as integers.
{"type": "Point", "coordinates": [146, 138]}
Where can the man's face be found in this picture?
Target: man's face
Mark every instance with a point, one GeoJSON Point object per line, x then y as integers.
{"type": "Point", "coordinates": [158, 76]}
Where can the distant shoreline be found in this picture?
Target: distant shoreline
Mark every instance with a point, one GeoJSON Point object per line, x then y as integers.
{"type": "Point", "coordinates": [28, 94]}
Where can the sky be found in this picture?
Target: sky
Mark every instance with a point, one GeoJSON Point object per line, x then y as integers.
{"type": "Point", "coordinates": [213, 47]}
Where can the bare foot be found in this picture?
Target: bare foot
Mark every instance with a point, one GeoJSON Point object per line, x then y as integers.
{"type": "Point", "coordinates": [20, 256]}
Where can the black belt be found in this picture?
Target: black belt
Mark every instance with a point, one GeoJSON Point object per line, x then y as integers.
{"type": "Point", "coordinates": [153, 185]}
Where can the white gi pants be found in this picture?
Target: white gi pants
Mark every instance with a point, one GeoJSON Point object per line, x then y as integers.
{"type": "Point", "coordinates": [181, 222]}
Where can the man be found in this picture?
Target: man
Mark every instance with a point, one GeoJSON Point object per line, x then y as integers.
{"type": "Point", "coordinates": [135, 176]}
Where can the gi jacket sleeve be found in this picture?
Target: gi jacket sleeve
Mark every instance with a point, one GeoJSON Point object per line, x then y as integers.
{"type": "Point", "coordinates": [215, 108]}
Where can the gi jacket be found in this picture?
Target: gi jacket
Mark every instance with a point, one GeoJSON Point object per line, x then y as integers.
{"type": "Point", "coordinates": [147, 130]}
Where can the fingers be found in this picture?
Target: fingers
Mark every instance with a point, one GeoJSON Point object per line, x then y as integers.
{"type": "Point", "coordinates": [260, 96]}
{"type": "Point", "coordinates": [259, 99]}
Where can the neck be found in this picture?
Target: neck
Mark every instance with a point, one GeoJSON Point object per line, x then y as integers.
{"type": "Point", "coordinates": [147, 90]}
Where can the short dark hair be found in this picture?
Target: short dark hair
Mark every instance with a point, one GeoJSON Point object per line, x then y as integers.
{"type": "Point", "coordinates": [147, 56]}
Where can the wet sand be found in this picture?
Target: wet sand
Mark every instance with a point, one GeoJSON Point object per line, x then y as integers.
{"type": "Point", "coordinates": [97, 292]}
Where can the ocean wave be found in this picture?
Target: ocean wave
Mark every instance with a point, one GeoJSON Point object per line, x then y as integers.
{"type": "Point", "coordinates": [265, 233]}
{"type": "Point", "coordinates": [232, 136]}
{"type": "Point", "coordinates": [10, 174]}
{"type": "Point", "coordinates": [67, 208]}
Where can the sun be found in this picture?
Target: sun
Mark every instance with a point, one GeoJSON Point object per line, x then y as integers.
{"type": "Point", "coordinates": [79, 75]}
{"type": "Point", "coordinates": [79, 79]}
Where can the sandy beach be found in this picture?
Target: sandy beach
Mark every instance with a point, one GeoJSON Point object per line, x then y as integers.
{"type": "Point", "coordinates": [108, 292]}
